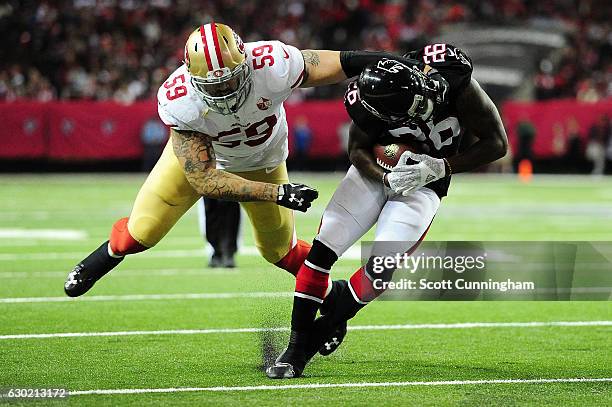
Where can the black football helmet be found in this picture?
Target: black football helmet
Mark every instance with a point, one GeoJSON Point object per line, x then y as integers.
{"type": "Point", "coordinates": [399, 92]}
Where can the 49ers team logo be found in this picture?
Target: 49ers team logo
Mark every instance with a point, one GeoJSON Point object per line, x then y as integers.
{"type": "Point", "coordinates": [263, 103]}
{"type": "Point", "coordinates": [239, 43]}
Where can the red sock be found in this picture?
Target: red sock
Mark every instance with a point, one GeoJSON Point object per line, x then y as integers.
{"type": "Point", "coordinates": [310, 287]}
{"type": "Point", "coordinates": [294, 259]}
{"type": "Point", "coordinates": [362, 287]}
{"type": "Point", "coordinates": [311, 283]}
{"type": "Point", "coordinates": [121, 242]}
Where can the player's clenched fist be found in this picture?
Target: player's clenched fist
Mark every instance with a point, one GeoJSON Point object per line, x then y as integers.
{"type": "Point", "coordinates": [296, 196]}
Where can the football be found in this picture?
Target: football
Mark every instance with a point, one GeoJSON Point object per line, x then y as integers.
{"type": "Point", "coordinates": [387, 154]}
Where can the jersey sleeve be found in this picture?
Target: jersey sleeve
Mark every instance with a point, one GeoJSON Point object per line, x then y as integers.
{"type": "Point", "coordinates": [175, 106]}
{"type": "Point", "coordinates": [169, 120]}
{"type": "Point", "coordinates": [277, 67]}
{"type": "Point", "coordinates": [295, 64]}
{"type": "Point", "coordinates": [452, 63]}
{"type": "Point", "coordinates": [366, 121]}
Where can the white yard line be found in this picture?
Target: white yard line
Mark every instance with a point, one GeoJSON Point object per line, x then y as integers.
{"type": "Point", "coordinates": [463, 325]}
{"type": "Point", "coordinates": [202, 271]}
{"type": "Point", "coordinates": [353, 253]}
{"type": "Point", "coordinates": [146, 297]}
{"type": "Point", "coordinates": [76, 256]}
{"type": "Point", "coordinates": [338, 385]}
{"type": "Point", "coordinates": [49, 234]}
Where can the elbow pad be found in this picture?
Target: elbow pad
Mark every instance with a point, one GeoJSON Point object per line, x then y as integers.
{"type": "Point", "coordinates": [353, 62]}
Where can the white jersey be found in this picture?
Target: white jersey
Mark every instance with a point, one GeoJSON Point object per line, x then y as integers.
{"type": "Point", "coordinates": [256, 136]}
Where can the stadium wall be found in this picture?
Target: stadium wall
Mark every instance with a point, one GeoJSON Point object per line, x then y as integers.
{"type": "Point", "coordinates": [78, 131]}
{"type": "Point", "coordinates": [90, 131]}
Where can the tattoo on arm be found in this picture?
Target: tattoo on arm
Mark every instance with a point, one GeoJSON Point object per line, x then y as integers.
{"type": "Point", "coordinates": [311, 59]}
{"type": "Point", "coordinates": [195, 153]}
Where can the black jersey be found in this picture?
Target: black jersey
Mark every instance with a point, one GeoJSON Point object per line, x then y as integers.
{"type": "Point", "coordinates": [442, 133]}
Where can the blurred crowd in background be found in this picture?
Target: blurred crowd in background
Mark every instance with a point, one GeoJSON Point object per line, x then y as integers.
{"type": "Point", "coordinates": [123, 49]}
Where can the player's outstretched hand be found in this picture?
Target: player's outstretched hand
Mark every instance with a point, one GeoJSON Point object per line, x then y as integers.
{"type": "Point", "coordinates": [296, 196]}
{"type": "Point", "coordinates": [415, 170]}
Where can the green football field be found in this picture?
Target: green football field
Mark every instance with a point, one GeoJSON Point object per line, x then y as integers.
{"type": "Point", "coordinates": [162, 329]}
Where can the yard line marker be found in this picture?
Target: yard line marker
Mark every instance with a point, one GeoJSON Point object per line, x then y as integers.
{"type": "Point", "coordinates": [52, 234]}
{"type": "Point", "coordinates": [146, 297]}
{"type": "Point", "coordinates": [352, 253]}
{"type": "Point", "coordinates": [339, 385]}
{"type": "Point", "coordinates": [203, 271]}
{"type": "Point", "coordinates": [217, 296]}
{"type": "Point", "coordinates": [462, 325]}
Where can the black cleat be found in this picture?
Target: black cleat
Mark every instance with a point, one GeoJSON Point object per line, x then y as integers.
{"type": "Point", "coordinates": [330, 302]}
{"type": "Point", "coordinates": [332, 335]}
{"type": "Point", "coordinates": [334, 340]}
{"type": "Point", "coordinates": [283, 370]}
{"type": "Point", "coordinates": [215, 261]}
{"type": "Point", "coordinates": [85, 274]}
{"type": "Point", "coordinates": [291, 363]}
{"type": "Point", "coordinates": [228, 261]}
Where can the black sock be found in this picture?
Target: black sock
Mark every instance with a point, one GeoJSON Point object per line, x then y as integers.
{"type": "Point", "coordinates": [346, 307]}
{"type": "Point", "coordinates": [307, 299]}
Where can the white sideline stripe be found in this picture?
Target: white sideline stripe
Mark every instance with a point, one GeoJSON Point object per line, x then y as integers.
{"type": "Point", "coordinates": [145, 297]}
{"type": "Point", "coordinates": [202, 271]}
{"type": "Point", "coordinates": [339, 385]}
{"type": "Point", "coordinates": [464, 325]}
{"type": "Point", "coordinates": [353, 253]}
{"type": "Point", "coordinates": [52, 234]}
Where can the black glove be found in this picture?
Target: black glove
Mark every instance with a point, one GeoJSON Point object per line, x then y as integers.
{"type": "Point", "coordinates": [296, 196]}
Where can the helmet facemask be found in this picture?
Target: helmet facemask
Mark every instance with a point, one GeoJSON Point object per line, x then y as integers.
{"type": "Point", "coordinates": [224, 90]}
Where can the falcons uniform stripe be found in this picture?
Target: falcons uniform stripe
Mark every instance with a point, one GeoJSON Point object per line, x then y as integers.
{"type": "Point", "coordinates": [206, 52]}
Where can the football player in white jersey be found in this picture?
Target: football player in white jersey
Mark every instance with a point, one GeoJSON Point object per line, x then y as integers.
{"type": "Point", "coordinates": [228, 140]}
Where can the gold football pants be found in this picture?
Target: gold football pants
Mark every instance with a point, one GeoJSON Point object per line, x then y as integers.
{"type": "Point", "coordinates": [166, 195]}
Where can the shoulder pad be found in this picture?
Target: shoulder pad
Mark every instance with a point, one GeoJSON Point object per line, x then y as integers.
{"type": "Point", "coordinates": [178, 104]}
{"type": "Point", "coordinates": [451, 62]}
{"type": "Point", "coordinates": [276, 66]}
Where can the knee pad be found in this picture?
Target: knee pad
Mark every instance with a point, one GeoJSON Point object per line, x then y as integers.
{"type": "Point", "coordinates": [122, 242]}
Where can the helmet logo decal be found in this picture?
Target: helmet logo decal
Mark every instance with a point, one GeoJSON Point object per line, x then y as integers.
{"type": "Point", "coordinates": [239, 43]}
{"type": "Point", "coordinates": [390, 65]}
{"type": "Point", "coordinates": [218, 73]}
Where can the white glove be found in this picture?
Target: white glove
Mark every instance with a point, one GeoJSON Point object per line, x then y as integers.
{"type": "Point", "coordinates": [405, 178]}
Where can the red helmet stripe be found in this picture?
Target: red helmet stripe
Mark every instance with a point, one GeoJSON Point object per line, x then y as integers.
{"type": "Point", "coordinates": [206, 54]}
{"type": "Point", "coordinates": [213, 28]}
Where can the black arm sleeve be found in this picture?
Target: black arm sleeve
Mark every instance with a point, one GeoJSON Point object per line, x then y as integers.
{"type": "Point", "coordinates": [353, 62]}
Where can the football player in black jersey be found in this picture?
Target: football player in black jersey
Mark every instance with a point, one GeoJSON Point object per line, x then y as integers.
{"type": "Point", "coordinates": [427, 96]}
